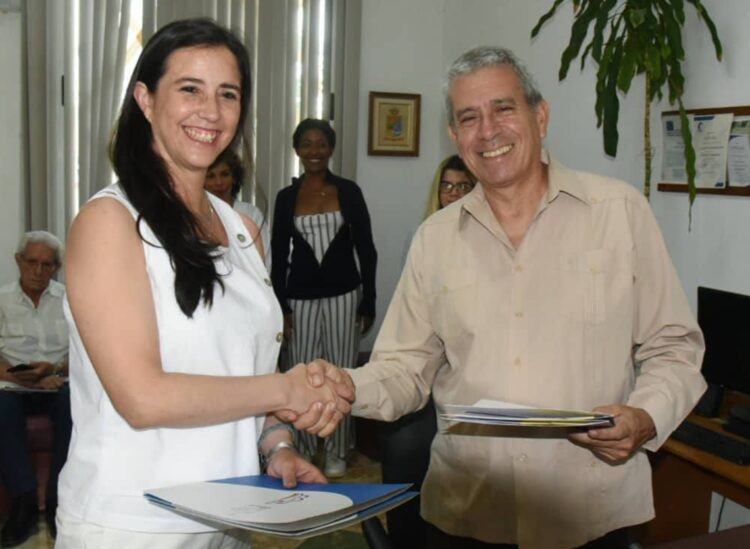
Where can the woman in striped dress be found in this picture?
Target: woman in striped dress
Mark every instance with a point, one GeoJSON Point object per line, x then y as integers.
{"type": "Point", "coordinates": [327, 299]}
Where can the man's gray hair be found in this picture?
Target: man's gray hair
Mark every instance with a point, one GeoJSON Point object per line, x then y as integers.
{"type": "Point", "coordinates": [489, 56]}
{"type": "Point", "coordinates": [42, 237]}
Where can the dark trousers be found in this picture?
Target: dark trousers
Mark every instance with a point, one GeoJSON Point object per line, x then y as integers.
{"type": "Point", "coordinates": [437, 539]}
{"type": "Point", "coordinates": [16, 470]}
{"type": "Point", "coordinates": [406, 457]}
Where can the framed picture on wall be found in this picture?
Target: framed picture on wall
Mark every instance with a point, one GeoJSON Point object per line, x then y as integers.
{"type": "Point", "coordinates": [393, 128]}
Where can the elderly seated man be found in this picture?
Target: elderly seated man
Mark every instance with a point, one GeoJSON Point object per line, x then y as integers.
{"type": "Point", "coordinates": [33, 367]}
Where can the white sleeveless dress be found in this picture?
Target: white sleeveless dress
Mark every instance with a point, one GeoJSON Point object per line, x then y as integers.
{"type": "Point", "coordinates": [110, 464]}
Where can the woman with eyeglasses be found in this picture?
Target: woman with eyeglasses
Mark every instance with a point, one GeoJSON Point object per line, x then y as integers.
{"type": "Point", "coordinates": [452, 181]}
{"type": "Point", "coordinates": [406, 442]}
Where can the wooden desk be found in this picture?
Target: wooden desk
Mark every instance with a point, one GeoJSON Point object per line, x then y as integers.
{"type": "Point", "coordinates": [733, 538]}
{"type": "Point", "coordinates": [683, 479]}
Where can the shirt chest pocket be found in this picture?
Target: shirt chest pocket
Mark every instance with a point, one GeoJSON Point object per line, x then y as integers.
{"type": "Point", "coordinates": [595, 286]}
{"type": "Point", "coordinates": [454, 306]}
{"type": "Point", "coordinates": [11, 329]}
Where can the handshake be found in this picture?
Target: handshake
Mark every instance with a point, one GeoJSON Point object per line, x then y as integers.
{"type": "Point", "coordinates": [317, 397]}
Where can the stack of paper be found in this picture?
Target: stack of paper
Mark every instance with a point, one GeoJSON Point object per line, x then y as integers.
{"type": "Point", "coordinates": [261, 503]}
{"type": "Point", "coordinates": [495, 412]}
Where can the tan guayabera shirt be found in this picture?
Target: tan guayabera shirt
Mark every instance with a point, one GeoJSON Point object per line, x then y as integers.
{"type": "Point", "coordinates": [588, 311]}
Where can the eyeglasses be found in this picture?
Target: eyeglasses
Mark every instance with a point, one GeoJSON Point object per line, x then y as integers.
{"type": "Point", "coordinates": [35, 264]}
{"type": "Point", "coordinates": [463, 187]}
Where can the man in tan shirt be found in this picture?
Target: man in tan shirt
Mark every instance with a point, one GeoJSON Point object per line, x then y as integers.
{"type": "Point", "coordinates": [547, 287]}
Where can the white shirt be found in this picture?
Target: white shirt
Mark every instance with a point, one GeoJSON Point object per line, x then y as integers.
{"type": "Point", "coordinates": [32, 334]}
{"type": "Point", "coordinates": [110, 464]}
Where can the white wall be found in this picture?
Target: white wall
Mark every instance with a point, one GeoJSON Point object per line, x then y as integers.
{"type": "Point", "coordinates": [407, 46]}
{"type": "Point", "coordinates": [401, 52]}
{"type": "Point", "coordinates": [716, 252]}
{"type": "Point", "coordinates": [408, 50]}
{"type": "Point", "coordinates": [12, 202]}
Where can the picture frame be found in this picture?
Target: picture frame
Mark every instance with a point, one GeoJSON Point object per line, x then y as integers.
{"type": "Point", "coordinates": [394, 121]}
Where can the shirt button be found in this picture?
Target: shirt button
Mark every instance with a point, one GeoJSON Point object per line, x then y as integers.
{"type": "Point", "coordinates": [280, 336]}
{"type": "Point", "coordinates": [267, 281]}
{"type": "Point", "coordinates": [522, 458]}
{"type": "Point", "coordinates": [519, 269]}
{"type": "Point", "coordinates": [241, 237]}
{"type": "Point", "coordinates": [519, 314]}
{"type": "Point", "coordinates": [517, 361]}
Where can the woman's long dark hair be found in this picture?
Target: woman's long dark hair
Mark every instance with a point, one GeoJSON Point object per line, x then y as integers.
{"type": "Point", "coordinates": [143, 174]}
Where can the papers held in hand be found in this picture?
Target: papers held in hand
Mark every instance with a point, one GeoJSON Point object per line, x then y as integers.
{"type": "Point", "coordinates": [261, 504]}
{"type": "Point", "coordinates": [495, 412]}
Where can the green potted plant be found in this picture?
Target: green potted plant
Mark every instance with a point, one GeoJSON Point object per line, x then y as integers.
{"type": "Point", "coordinates": [631, 37]}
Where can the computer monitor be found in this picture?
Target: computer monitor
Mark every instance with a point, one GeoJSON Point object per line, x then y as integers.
{"type": "Point", "coordinates": [724, 318]}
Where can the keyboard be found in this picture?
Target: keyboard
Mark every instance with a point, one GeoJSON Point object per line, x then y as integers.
{"type": "Point", "coordinates": [713, 442]}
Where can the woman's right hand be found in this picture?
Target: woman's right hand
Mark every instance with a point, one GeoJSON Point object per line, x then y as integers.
{"type": "Point", "coordinates": [320, 395]}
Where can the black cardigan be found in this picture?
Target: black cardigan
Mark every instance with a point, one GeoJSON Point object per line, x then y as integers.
{"type": "Point", "coordinates": [305, 278]}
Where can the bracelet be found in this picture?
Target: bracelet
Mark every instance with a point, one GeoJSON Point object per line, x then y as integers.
{"type": "Point", "coordinates": [278, 447]}
{"type": "Point", "coordinates": [272, 428]}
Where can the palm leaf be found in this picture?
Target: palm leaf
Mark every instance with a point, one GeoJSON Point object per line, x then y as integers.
{"type": "Point", "coordinates": [597, 41]}
{"type": "Point", "coordinates": [687, 138]}
{"type": "Point", "coordinates": [628, 68]}
{"type": "Point", "coordinates": [703, 14]}
{"type": "Point", "coordinates": [611, 103]}
{"type": "Point", "coordinates": [601, 75]}
{"type": "Point", "coordinates": [546, 17]}
{"type": "Point", "coordinates": [679, 9]}
{"type": "Point", "coordinates": [577, 35]}
{"type": "Point", "coordinates": [644, 36]}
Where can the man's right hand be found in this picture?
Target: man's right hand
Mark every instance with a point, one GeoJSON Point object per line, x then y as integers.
{"type": "Point", "coordinates": [320, 396]}
{"type": "Point", "coordinates": [321, 417]}
{"type": "Point", "coordinates": [319, 371]}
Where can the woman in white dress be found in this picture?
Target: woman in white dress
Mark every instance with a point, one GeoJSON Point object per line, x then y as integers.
{"type": "Point", "coordinates": [174, 327]}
